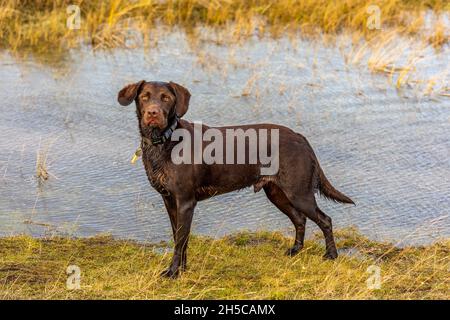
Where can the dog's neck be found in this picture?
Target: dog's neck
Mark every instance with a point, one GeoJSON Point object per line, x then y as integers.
{"type": "Point", "coordinates": [155, 156]}
{"type": "Point", "coordinates": [156, 146]}
{"type": "Point", "coordinates": [156, 136]}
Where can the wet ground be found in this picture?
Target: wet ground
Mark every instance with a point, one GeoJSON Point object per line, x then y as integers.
{"type": "Point", "coordinates": [387, 149]}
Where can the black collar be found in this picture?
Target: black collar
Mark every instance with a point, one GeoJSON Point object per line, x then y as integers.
{"type": "Point", "coordinates": [160, 138]}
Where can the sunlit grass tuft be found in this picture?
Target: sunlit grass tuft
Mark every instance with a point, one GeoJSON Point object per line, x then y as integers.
{"type": "Point", "coordinates": [403, 60]}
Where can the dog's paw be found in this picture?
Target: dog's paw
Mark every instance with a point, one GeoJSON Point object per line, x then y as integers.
{"type": "Point", "coordinates": [169, 273]}
{"type": "Point", "coordinates": [330, 255]}
{"type": "Point", "coordinates": [293, 251]}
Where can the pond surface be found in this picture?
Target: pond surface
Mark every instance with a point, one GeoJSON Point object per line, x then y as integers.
{"type": "Point", "coordinates": [387, 149]}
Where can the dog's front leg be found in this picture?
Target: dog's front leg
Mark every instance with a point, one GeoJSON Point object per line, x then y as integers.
{"type": "Point", "coordinates": [171, 207]}
{"type": "Point", "coordinates": [185, 212]}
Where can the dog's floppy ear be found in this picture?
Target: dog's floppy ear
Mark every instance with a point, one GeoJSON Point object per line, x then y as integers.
{"type": "Point", "coordinates": [129, 93]}
{"type": "Point", "coordinates": [182, 94]}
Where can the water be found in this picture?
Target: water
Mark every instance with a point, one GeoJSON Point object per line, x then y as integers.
{"type": "Point", "coordinates": [387, 150]}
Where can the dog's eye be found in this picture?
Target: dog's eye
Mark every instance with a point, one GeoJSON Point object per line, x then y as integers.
{"type": "Point", "coordinates": [165, 98]}
{"type": "Point", "coordinates": [144, 98]}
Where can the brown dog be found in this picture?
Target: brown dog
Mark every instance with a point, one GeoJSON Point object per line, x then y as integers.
{"type": "Point", "coordinates": [159, 105]}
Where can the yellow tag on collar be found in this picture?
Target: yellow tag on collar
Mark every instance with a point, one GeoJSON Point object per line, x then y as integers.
{"type": "Point", "coordinates": [136, 155]}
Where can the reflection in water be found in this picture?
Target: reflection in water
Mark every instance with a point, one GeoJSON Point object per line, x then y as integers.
{"type": "Point", "coordinates": [387, 150]}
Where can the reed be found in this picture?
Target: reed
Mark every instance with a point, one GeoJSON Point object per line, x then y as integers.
{"type": "Point", "coordinates": [41, 26]}
{"type": "Point", "coordinates": [42, 162]}
{"type": "Point", "coordinates": [42, 173]}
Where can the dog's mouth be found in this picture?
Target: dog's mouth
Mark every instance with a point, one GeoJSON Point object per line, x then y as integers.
{"type": "Point", "coordinates": [151, 122]}
{"type": "Point", "coordinates": [154, 122]}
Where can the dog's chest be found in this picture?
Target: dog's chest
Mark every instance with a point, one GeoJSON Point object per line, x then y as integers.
{"type": "Point", "coordinates": [156, 171]}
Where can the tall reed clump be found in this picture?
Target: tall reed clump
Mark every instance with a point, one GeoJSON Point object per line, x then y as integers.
{"type": "Point", "coordinates": [41, 25]}
{"type": "Point", "coordinates": [42, 163]}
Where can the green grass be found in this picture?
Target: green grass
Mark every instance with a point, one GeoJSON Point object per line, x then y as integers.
{"type": "Point", "coordinates": [240, 266]}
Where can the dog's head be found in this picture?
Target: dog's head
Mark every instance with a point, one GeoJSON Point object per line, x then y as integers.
{"type": "Point", "coordinates": [156, 102]}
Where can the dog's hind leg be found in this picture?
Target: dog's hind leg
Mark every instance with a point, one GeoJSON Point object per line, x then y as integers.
{"type": "Point", "coordinates": [307, 204]}
{"type": "Point", "coordinates": [279, 199]}
{"type": "Point", "coordinates": [326, 226]}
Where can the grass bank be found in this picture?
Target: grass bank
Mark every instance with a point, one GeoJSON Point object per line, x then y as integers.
{"type": "Point", "coordinates": [42, 25]}
{"type": "Point", "coordinates": [240, 266]}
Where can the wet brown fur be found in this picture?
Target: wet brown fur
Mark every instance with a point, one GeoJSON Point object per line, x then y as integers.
{"type": "Point", "coordinates": [291, 190]}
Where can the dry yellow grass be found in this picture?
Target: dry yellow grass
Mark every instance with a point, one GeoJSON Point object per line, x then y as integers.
{"type": "Point", "coordinates": [240, 266]}
{"type": "Point", "coordinates": [41, 25]}
{"type": "Point", "coordinates": [403, 60]}
{"type": "Point", "coordinates": [440, 35]}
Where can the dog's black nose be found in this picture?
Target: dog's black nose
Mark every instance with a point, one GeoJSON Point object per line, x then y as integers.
{"type": "Point", "coordinates": [152, 112]}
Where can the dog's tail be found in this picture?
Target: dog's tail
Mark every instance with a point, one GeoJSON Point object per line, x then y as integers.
{"type": "Point", "coordinates": [327, 190]}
